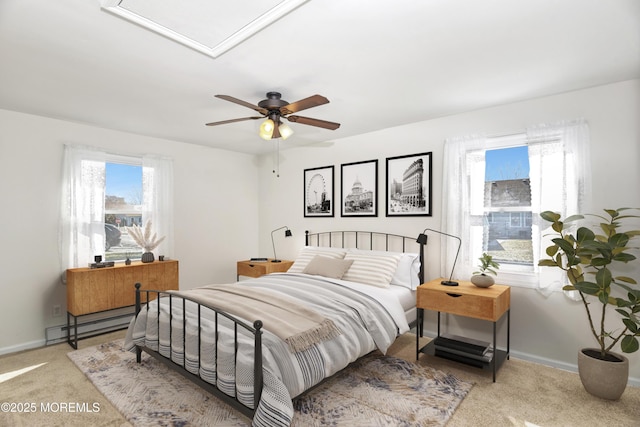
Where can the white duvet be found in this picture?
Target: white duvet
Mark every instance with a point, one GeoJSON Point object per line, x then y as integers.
{"type": "Point", "coordinates": [368, 317]}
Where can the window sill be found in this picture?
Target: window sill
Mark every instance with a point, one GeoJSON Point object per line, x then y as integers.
{"type": "Point", "coordinates": [520, 280]}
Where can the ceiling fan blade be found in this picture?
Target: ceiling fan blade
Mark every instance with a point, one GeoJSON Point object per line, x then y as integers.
{"type": "Point", "coordinates": [224, 122]}
{"type": "Point", "coordinates": [313, 122]}
{"type": "Point", "coordinates": [303, 104]}
{"type": "Point", "coordinates": [243, 103]}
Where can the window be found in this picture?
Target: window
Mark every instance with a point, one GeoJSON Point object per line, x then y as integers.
{"type": "Point", "coordinates": [494, 191]}
{"type": "Point", "coordinates": [89, 212]}
{"type": "Point", "coordinates": [507, 208]}
{"type": "Point", "coordinates": [122, 208]}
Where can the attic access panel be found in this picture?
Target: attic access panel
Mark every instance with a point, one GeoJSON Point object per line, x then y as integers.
{"type": "Point", "coordinates": [209, 27]}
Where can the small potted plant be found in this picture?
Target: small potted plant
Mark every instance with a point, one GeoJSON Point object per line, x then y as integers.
{"type": "Point", "coordinates": [589, 258]}
{"type": "Point", "coordinates": [481, 277]}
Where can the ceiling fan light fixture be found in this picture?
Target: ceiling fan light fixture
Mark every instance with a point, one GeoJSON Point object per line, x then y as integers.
{"type": "Point", "coordinates": [285, 130]}
{"type": "Point", "coordinates": [266, 129]}
{"type": "Point", "coordinates": [273, 109]}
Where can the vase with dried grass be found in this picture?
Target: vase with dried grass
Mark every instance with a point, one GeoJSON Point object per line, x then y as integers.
{"type": "Point", "coordinates": [146, 239]}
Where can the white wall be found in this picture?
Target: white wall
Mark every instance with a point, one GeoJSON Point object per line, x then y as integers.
{"type": "Point", "coordinates": [543, 329]}
{"type": "Point", "coordinates": [209, 236]}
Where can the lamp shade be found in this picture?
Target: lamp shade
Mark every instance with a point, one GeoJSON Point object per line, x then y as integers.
{"type": "Point", "coordinates": [266, 129]}
{"type": "Point", "coordinates": [285, 130]}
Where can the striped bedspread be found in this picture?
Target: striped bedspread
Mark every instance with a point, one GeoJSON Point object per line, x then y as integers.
{"type": "Point", "coordinates": [366, 323]}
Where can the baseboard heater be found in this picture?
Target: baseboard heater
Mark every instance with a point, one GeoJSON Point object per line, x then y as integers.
{"type": "Point", "coordinates": [90, 327]}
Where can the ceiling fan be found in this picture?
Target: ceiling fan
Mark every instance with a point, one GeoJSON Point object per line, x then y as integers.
{"type": "Point", "coordinates": [274, 109]}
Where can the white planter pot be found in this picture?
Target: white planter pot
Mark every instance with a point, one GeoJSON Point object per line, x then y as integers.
{"type": "Point", "coordinates": [482, 280]}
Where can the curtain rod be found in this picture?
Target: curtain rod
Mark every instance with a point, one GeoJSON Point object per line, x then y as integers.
{"type": "Point", "coordinates": [505, 135]}
{"type": "Point", "coordinates": [529, 139]}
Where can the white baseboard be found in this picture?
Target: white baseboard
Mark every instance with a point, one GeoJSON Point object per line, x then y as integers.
{"type": "Point", "coordinates": [633, 382]}
{"type": "Point", "coordinates": [21, 347]}
{"type": "Point", "coordinates": [88, 325]}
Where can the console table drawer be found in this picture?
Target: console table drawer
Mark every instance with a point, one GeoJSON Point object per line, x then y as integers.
{"type": "Point", "coordinates": [91, 290]}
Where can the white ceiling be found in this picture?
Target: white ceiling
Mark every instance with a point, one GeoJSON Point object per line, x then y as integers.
{"type": "Point", "coordinates": [381, 64]}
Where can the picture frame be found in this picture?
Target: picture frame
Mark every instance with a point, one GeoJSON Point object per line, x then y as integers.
{"type": "Point", "coordinates": [359, 189]}
{"type": "Point", "coordinates": [318, 192]}
{"type": "Point", "coordinates": [409, 185]}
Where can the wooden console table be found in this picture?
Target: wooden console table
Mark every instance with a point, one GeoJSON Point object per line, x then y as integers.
{"type": "Point", "coordinates": [467, 300]}
{"type": "Point", "coordinates": [93, 290]}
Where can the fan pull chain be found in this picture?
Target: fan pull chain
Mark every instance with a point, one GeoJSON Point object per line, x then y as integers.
{"type": "Point", "coordinates": [276, 156]}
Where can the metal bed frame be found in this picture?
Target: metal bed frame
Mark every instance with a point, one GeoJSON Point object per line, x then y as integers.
{"type": "Point", "coordinates": [390, 241]}
{"type": "Point", "coordinates": [372, 241]}
{"type": "Point", "coordinates": [255, 330]}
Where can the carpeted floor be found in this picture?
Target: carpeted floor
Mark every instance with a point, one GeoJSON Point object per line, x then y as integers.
{"type": "Point", "coordinates": [525, 395]}
{"type": "Point", "coordinates": [376, 390]}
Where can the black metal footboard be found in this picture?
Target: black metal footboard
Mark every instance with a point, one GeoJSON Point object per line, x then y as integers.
{"type": "Point", "coordinates": [255, 330]}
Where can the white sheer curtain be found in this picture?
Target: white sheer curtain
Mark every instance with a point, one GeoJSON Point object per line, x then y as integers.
{"type": "Point", "coordinates": [559, 176]}
{"type": "Point", "coordinates": [559, 161]}
{"type": "Point", "coordinates": [462, 198]}
{"type": "Point", "coordinates": [157, 194]}
{"type": "Point", "coordinates": [82, 216]}
{"type": "Point", "coordinates": [81, 233]}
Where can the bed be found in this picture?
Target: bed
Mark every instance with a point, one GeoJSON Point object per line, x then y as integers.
{"type": "Point", "coordinates": [259, 343]}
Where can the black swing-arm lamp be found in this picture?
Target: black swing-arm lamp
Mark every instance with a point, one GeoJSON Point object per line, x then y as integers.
{"type": "Point", "coordinates": [422, 239]}
{"type": "Point", "coordinates": [287, 233]}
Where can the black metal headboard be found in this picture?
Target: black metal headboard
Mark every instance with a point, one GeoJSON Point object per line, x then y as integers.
{"type": "Point", "coordinates": [370, 240]}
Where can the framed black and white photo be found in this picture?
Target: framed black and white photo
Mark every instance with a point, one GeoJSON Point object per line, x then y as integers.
{"type": "Point", "coordinates": [318, 192]}
{"type": "Point", "coordinates": [409, 185]}
{"type": "Point", "coordinates": [359, 188]}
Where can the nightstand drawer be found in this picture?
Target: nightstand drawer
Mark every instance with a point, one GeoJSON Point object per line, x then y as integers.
{"type": "Point", "coordinates": [260, 268]}
{"type": "Point", "coordinates": [253, 269]}
{"type": "Point", "coordinates": [457, 303]}
{"type": "Point", "coordinates": [465, 300]}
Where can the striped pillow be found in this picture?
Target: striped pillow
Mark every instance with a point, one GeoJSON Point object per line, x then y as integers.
{"type": "Point", "coordinates": [408, 272]}
{"type": "Point", "coordinates": [308, 252]}
{"type": "Point", "coordinates": [376, 270]}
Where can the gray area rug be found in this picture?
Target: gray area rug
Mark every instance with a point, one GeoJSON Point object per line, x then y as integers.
{"type": "Point", "coordinates": [376, 390]}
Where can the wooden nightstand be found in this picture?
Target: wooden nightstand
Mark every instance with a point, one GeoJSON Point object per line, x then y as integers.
{"type": "Point", "coordinates": [260, 268]}
{"type": "Point", "coordinates": [467, 300]}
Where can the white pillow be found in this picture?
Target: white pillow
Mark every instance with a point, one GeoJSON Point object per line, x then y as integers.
{"type": "Point", "coordinates": [308, 252]}
{"type": "Point", "coordinates": [369, 269]}
{"type": "Point", "coordinates": [408, 272]}
{"type": "Point", "coordinates": [327, 267]}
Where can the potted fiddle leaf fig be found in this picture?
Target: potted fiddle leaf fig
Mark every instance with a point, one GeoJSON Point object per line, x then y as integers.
{"type": "Point", "coordinates": [589, 257]}
{"type": "Point", "coordinates": [486, 267]}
